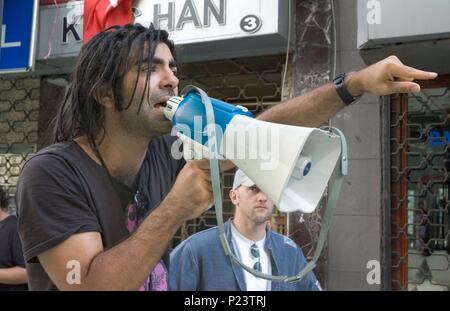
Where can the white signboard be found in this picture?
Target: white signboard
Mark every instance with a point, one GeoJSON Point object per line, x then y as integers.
{"type": "Point", "coordinates": [382, 22]}
{"type": "Point", "coordinates": [60, 30]}
{"type": "Point", "coordinates": [191, 21]}
{"type": "Point", "coordinates": [235, 27]}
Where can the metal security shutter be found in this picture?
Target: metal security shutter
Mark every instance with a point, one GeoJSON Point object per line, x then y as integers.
{"type": "Point", "coordinates": [19, 113]}
{"type": "Point", "coordinates": [420, 183]}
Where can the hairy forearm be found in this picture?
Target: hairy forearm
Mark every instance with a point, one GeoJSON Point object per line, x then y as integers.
{"type": "Point", "coordinates": [316, 107]}
{"type": "Point", "coordinates": [13, 276]}
{"type": "Point", "coordinates": [310, 110]}
{"type": "Point", "coordinates": [127, 265]}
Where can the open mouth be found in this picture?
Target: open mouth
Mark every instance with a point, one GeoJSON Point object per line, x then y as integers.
{"type": "Point", "coordinates": [160, 105]}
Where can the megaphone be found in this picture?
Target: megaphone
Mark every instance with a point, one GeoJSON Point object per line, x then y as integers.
{"type": "Point", "coordinates": [291, 164]}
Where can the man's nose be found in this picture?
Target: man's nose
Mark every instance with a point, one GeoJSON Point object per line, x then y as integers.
{"type": "Point", "coordinates": [262, 197]}
{"type": "Point", "coordinates": [169, 81]}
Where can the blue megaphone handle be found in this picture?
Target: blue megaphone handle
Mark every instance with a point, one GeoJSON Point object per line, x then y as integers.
{"type": "Point", "coordinates": [191, 115]}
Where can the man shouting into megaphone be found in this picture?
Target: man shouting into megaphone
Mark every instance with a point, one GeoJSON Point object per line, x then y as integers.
{"type": "Point", "coordinates": [98, 209]}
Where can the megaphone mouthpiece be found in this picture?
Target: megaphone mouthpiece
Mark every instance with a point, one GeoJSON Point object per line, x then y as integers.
{"type": "Point", "coordinates": [172, 106]}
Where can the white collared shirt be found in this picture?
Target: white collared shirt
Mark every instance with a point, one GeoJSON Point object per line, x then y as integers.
{"type": "Point", "coordinates": [242, 246]}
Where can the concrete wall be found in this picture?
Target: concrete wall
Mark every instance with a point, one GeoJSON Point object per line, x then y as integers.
{"type": "Point", "coordinates": [356, 232]}
{"type": "Point", "coordinates": [355, 235]}
{"type": "Point", "coordinates": [310, 69]}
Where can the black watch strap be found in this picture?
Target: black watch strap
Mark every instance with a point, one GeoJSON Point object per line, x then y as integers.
{"type": "Point", "coordinates": [342, 90]}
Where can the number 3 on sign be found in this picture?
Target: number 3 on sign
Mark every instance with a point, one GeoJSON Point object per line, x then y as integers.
{"type": "Point", "coordinates": [251, 23]}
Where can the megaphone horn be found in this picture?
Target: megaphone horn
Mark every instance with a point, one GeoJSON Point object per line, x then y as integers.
{"type": "Point", "coordinates": [291, 164]}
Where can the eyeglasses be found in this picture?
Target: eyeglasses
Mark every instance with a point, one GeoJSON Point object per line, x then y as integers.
{"type": "Point", "coordinates": [254, 251]}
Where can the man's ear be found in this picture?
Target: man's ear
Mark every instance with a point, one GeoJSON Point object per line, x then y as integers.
{"type": "Point", "coordinates": [233, 196]}
{"type": "Point", "coordinates": [105, 97]}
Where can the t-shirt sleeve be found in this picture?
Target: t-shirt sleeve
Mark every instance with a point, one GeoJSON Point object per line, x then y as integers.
{"type": "Point", "coordinates": [16, 248]}
{"type": "Point", "coordinates": [173, 148]}
{"type": "Point", "coordinates": [52, 204]}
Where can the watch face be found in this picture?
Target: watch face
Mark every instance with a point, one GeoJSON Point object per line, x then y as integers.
{"type": "Point", "coordinates": [339, 79]}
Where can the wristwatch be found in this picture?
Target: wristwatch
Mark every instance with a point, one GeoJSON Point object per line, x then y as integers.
{"type": "Point", "coordinates": [342, 90]}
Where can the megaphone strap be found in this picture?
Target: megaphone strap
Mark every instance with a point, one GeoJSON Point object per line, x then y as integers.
{"type": "Point", "coordinates": [215, 180]}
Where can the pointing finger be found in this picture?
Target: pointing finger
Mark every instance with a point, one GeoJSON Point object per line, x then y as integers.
{"type": "Point", "coordinates": [410, 73]}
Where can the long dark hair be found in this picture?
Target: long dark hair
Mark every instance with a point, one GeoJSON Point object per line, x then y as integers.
{"type": "Point", "coordinates": [4, 199]}
{"type": "Point", "coordinates": [99, 69]}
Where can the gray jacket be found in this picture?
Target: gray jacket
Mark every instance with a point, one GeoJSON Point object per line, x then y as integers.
{"type": "Point", "coordinates": [199, 263]}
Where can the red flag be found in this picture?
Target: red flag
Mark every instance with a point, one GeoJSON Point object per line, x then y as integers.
{"type": "Point", "coordinates": [101, 14]}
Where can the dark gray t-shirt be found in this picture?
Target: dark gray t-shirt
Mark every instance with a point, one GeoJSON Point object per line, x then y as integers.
{"type": "Point", "coordinates": [10, 250]}
{"type": "Point", "coordinates": [62, 191]}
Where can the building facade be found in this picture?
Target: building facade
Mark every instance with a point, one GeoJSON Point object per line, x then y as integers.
{"type": "Point", "coordinates": [390, 229]}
